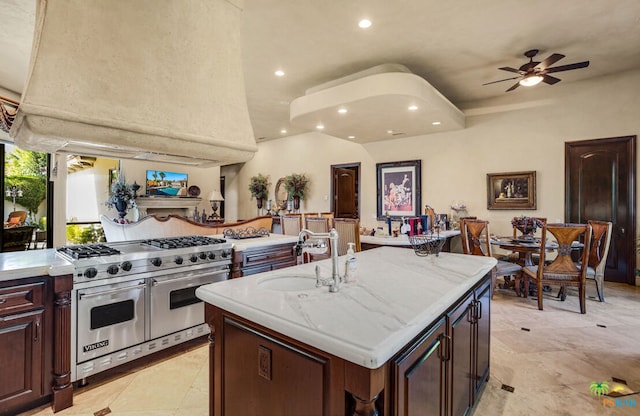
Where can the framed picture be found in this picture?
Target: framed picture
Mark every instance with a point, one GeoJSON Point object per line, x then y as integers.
{"type": "Point", "coordinates": [399, 185]}
{"type": "Point", "coordinates": [512, 190]}
{"type": "Point", "coordinates": [113, 177]}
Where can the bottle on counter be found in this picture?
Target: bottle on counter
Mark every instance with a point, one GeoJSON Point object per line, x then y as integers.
{"type": "Point", "coordinates": [351, 267]}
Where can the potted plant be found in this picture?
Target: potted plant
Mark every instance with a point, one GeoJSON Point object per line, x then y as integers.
{"type": "Point", "coordinates": [122, 197]}
{"type": "Point", "coordinates": [259, 188]}
{"type": "Point", "coordinates": [296, 185]}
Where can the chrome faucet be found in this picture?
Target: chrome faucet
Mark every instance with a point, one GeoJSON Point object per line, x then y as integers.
{"type": "Point", "coordinates": [320, 247]}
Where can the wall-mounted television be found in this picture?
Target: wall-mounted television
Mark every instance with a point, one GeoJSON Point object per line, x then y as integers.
{"type": "Point", "coordinates": [163, 183]}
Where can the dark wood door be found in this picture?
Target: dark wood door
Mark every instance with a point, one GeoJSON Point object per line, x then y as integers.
{"type": "Point", "coordinates": [599, 185]}
{"type": "Point", "coordinates": [345, 190]}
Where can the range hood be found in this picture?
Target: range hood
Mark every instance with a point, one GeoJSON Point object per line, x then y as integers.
{"type": "Point", "coordinates": [147, 79]}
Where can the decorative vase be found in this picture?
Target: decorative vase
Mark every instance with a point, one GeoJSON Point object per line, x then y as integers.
{"type": "Point", "coordinates": [121, 206]}
{"type": "Point", "coordinates": [296, 202]}
{"type": "Point", "coordinates": [259, 202]}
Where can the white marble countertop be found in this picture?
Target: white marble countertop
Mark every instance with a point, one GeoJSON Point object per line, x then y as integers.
{"type": "Point", "coordinates": [272, 239]}
{"type": "Point", "coordinates": [20, 264]}
{"type": "Point", "coordinates": [396, 296]}
{"type": "Point", "coordinates": [401, 240]}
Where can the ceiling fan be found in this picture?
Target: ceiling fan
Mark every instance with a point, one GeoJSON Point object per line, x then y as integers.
{"type": "Point", "coordinates": [532, 73]}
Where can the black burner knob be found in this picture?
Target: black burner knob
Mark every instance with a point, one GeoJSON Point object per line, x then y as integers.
{"type": "Point", "coordinates": [90, 273]}
{"type": "Point", "coordinates": [193, 258]}
{"type": "Point", "coordinates": [179, 260]}
{"type": "Point", "coordinates": [156, 261]}
{"type": "Point", "coordinates": [203, 255]}
{"type": "Point", "coordinates": [225, 254]}
{"type": "Point", "coordinates": [113, 269]}
{"type": "Point", "coordinates": [126, 266]}
{"type": "Point", "coordinates": [212, 255]}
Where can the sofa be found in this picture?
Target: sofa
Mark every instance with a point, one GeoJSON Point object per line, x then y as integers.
{"type": "Point", "coordinates": [173, 226]}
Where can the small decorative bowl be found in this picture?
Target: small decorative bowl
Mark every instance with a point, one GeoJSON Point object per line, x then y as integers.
{"type": "Point", "coordinates": [425, 244]}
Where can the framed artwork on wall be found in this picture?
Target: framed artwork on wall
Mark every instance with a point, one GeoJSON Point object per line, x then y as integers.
{"type": "Point", "coordinates": [398, 189]}
{"type": "Point", "coordinates": [511, 190]}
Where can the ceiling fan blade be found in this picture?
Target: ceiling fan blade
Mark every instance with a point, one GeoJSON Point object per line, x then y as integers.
{"type": "Point", "coordinates": [568, 67]}
{"type": "Point", "coordinates": [506, 68]}
{"type": "Point", "coordinates": [516, 85]}
{"type": "Point", "coordinates": [548, 79]}
{"type": "Point", "coordinates": [502, 80]}
{"type": "Point", "coordinates": [549, 61]}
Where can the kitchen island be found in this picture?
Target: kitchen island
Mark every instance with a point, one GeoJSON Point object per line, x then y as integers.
{"type": "Point", "coordinates": [410, 336]}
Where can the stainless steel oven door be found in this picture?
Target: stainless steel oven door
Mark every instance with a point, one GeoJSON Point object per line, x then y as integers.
{"type": "Point", "coordinates": [174, 305]}
{"type": "Point", "coordinates": [109, 318]}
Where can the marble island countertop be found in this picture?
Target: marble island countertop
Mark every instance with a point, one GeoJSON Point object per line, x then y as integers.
{"type": "Point", "coordinates": [396, 296]}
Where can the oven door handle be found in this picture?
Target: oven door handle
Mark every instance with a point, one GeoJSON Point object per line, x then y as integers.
{"type": "Point", "coordinates": [82, 295]}
{"type": "Point", "coordinates": [155, 282]}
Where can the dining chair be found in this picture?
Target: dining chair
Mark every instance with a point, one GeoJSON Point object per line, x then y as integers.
{"type": "Point", "coordinates": [476, 241]}
{"type": "Point", "coordinates": [317, 225]}
{"type": "Point", "coordinates": [562, 270]}
{"type": "Point", "coordinates": [291, 224]}
{"type": "Point", "coordinates": [348, 232]}
{"type": "Point", "coordinates": [600, 242]}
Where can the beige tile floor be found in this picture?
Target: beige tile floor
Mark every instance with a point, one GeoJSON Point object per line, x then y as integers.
{"type": "Point", "coordinates": [550, 366]}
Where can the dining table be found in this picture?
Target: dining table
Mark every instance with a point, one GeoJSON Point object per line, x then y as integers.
{"type": "Point", "coordinates": [526, 247]}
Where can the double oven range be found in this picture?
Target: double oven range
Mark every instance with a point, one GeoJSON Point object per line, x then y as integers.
{"type": "Point", "coordinates": [134, 298]}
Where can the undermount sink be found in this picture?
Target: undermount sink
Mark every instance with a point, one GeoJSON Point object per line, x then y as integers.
{"type": "Point", "coordinates": [289, 283]}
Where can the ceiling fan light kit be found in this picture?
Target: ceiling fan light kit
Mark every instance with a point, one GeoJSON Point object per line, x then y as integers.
{"type": "Point", "coordinates": [532, 73]}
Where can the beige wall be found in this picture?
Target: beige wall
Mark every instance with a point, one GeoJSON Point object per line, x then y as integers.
{"type": "Point", "coordinates": [455, 164]}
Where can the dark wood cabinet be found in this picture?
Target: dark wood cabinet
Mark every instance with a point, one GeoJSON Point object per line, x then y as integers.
{"type": "Point", "coordinates": [262, 259]}
{"type": "Point", "coordinates": [273, 371]}
{"type": "Point", "coordinates": [419, 374]}
{"type": "Point", "coordinates": [469, 327]}
{"type": "Point", "coordinates": [34, 343]}
{"type": "Point", "coordinates": [22, 361]}
{"type": "Point", "coordinates": [444, 369]}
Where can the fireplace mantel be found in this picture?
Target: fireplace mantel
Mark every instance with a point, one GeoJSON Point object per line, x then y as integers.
{"type": "Point", "coordinates": [163, 206]}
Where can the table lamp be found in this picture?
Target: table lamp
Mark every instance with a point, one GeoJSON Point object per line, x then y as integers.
{"type": "Point", "coordinates": [214, 198]}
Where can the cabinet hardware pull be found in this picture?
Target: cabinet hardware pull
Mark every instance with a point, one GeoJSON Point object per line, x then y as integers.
{"type": "Point", "coordinates": [37, 330]}
{"type": "Point", "coordinates": [3, 300]}
{"type": "Point", "coordinates": [479, 311]}
{"type": "Point", "coordinates": [446, 347]}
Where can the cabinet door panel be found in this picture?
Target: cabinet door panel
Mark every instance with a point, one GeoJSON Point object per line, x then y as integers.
{"type": "Point", "coordinates": [419, 374]}
{"type": "Point", "coordinates": [483, 328]}
{"type": "Point", "coordinates": [460, 381]}
{"type": "Point", "coordinates": [20, 359]}
{"type": "Point", "coordinates": [262, 376]}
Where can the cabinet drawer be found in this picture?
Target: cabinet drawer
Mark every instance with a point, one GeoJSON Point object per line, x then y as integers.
{"type": "Point", "coordinates": [267, 256]}
{"type": "Point", "coordinates": [21, 298]}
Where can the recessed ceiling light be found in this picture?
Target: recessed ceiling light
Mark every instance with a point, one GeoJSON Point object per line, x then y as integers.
{"type": "Point", "coordinates": [364, 23]}
{"type": "Point", "coordinates": [279, 73]}
{"type": "Point", "coordinates": [351, 137]}
{"type": "Point", "coordinates": [413, 107]}
{"type": "Point", "coordinates": [390, 131]}
{"type": "Point", "coordinates": [283, 131]}
{"type": "Point", "coordinates": [320, 126]}
{"type": "Point", "coordinates": [436, 123]}
{"type": "Point", "coordinates": [342, 110]}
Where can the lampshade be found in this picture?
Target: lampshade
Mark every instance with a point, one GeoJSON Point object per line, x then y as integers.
{"type": "Point", "coordinates": [531, 80]}
{"type": "Point", "coordinates": [216, 196]}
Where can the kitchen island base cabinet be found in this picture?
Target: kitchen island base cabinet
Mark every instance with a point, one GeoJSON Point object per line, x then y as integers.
{"type": "Point", "coordinates": [257, 371]}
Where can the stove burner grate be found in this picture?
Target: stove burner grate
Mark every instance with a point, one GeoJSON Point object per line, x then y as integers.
{"type": "Point", "coordinates": [187, 241]}
{"type": "Point", "coordinates": [87, 250]}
